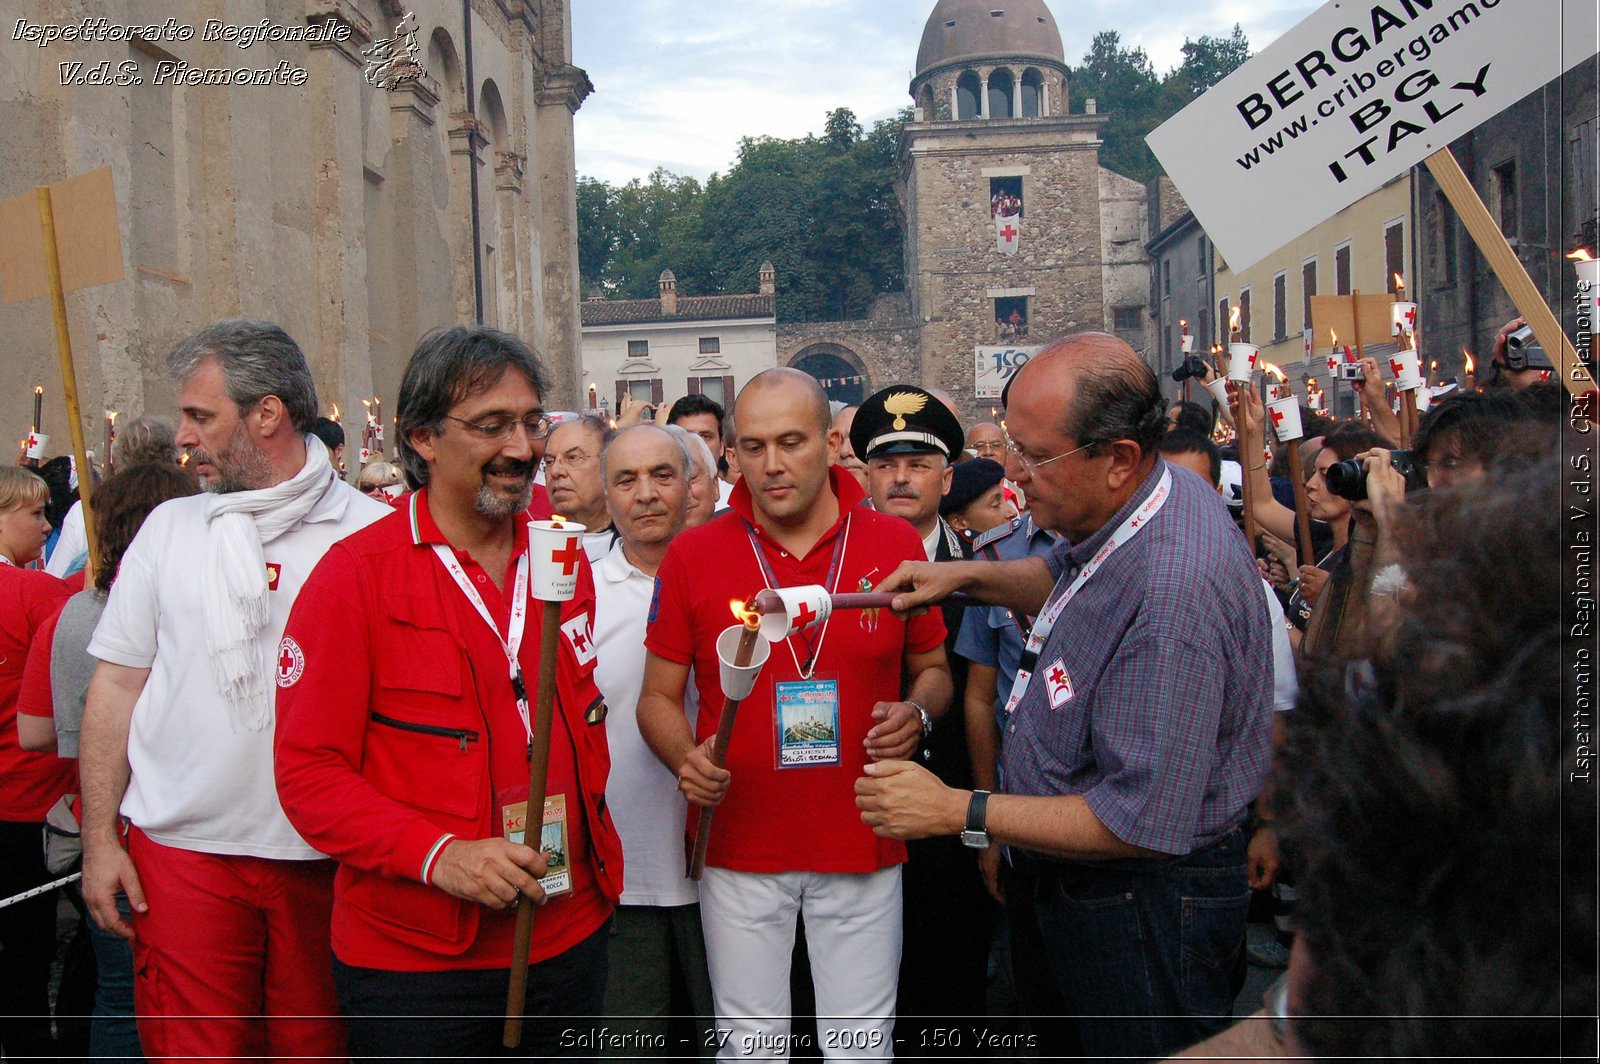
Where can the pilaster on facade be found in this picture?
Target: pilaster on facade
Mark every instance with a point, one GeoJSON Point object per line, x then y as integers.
{"type": "Point", "coordinates": [508, 169]}
{"type": "Point", "coordinates": [342, 12]}
{"type": "Point", "coordinates": [417, 96]}
{"type": "Point", "coordinates": [564, 85]}
{"type": "Point", "coordinates": [466, 135]}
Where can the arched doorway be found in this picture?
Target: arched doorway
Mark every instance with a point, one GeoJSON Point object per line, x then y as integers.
{"type": "Point", "coordinates": [837, 368]}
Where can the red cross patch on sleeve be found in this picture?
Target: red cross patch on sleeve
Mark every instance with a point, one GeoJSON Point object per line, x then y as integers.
{"type": "Point", "coordinates": [1057, 684]}
{"type": "Point", "coordinates": [578, 634]}
{"type": "Point", "coordinates": [291, 662]}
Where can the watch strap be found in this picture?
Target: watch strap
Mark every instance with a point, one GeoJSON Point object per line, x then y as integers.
{"type": "Point", "coordinates": [977, 812]}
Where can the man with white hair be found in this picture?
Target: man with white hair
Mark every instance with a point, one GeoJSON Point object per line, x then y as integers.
{"type": "Point", "coordinates": [231, 907]}
{"type": "Point", "coordinates": [703, 483]}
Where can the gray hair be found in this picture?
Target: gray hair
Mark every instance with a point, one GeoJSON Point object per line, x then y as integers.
{"type": "Point", "coordinates": [144, 440]}
{"type": "Point", "coordinates": [257, 359]}
{"type": "Point", "coordinates": [695, 449]}
{"type": "Point", "coordinates": [451, 363]}
{"type": "Point", "coordinates": [673, 431]}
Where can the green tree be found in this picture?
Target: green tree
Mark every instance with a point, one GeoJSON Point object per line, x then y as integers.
{"type": "Point", "coordinates": [1124, 85]}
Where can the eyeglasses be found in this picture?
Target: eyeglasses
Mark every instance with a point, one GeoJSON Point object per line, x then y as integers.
{"type": "Point", "coordinates": [499, 429]}
{"type": "Point", "coordinates": [1029, 466]}
{"type": "Point", "coordinates": [571, 458]}
{"type": "Point", "coordinates": [988, 446]}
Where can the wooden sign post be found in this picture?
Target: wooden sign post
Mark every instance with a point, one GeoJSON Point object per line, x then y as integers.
{"type": "Point", "coordinates": [62, 238]}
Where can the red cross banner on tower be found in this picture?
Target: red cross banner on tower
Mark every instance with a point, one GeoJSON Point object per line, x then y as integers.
{"type": "Point", "coordinates": [1057, 684]}
{"type": "Point", "coordinates": [1007, 235]}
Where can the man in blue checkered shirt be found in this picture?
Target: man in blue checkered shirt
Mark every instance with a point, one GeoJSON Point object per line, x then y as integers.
{"type": "Point", "coordinates": [1143, 728]}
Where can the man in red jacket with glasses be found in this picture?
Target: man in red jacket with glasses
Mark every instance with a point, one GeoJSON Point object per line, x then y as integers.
{"type": "Point", "coordinates": [402, 744]}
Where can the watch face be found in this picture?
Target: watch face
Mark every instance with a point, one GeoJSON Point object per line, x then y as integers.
{"type": "Point", "coordinates": [977, 840]}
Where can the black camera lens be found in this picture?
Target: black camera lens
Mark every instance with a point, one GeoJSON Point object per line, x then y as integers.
{"type": "Point", "coordinates": [1347, 479]}
{"type": "Point", "coordinates": [1193, 366]}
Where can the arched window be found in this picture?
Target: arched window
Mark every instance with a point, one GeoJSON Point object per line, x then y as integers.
{"type": "Point", "coordinates": [493, 114]}
{"type": "Point", "coordinates": [1032, 93]}
{"type": "Point", "coordinates": [967, 89]}
{"type": "Point", "coordinates": [925, 101]}
{"type": "Point", "coordinates": [1000, 86]}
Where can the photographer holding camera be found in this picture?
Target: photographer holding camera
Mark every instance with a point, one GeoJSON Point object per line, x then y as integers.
{"type": "Point", "coordinates": [1330, 598]}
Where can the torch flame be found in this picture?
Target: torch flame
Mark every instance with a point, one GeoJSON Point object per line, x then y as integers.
{"type": "Point", "coordinates": [1399, 284]}
{"type": "Point", "coordinates": [1468, 364]}
{"type": "Point", "coordinates": [1333, 338]}
{"type": "Point", "coordinates": [38, 390]}
{"type": "Point", "coordinates": [1183, 323]}
{"type": "Point", "coordinates": [558, 520]}
{"type": "Point", "coordinates": [335, 415]}
{"type": "Point", "coordinates": [1268, 367]}
{"type": "Point", "coordinates": [744, 614]}
{"type": "Point", "coordinates": [111, 416]}
{"type": "Point", "coordinates": [183, 459]}
{"type": "Point", "coordinates": [1233, 320]}
{"type": "Point", "coordinates": [1581, 255]}
{"type": "Point", "coordinates": [367, 403]}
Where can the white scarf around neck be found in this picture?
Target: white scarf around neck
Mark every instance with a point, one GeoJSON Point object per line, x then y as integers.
{"type": "Point", "coordinates": [234, 581]}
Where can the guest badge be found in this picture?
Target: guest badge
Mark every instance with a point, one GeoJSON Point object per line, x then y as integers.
{"type": "Point", "coordinates": [557, 878]}
{"type": "Point", "coordinates": [807, 722]}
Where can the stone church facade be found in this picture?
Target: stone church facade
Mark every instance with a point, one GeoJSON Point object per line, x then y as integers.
{"type": "Point", "coordinates": [356, 215]}
{"type": "Point", "coordinates": [993, 146]}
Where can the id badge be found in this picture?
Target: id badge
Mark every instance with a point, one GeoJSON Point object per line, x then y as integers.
{"type": "Point", "coordinates": [557, 878]}
{"type": "Point", "coordinates": [806, 722]}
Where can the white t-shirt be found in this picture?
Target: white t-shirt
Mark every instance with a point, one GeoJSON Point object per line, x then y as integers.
{"type": "Point", "coordinates": [71, 551]}
{"type": "Point", "coordinates": [724, 493]}
{"type": "Point", "coordinates": [642, 793]}
{"type": "Point", "coordinates": [199, 781]}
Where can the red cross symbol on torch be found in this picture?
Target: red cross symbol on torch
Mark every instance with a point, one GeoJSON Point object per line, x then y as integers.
{"type": "Point", "coordinates": [1277, 418]}
{"type": "Point", "coordinates": [1395, 367]}
{"type": "Point", "coordinates": [804, 616]}
{"type": "Point", "coordinates": [567, 557]}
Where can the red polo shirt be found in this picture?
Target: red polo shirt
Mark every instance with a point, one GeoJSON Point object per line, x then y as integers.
{"type": "Point", "coordinates": [397, 724]}
{"type": "Point", "coordinates": [30, 783]}
{"type": "Point", "coordinates": [801, 819]}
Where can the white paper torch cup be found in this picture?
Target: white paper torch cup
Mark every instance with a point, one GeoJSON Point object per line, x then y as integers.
{"type": "Point", "coordinates": [1187, 344]}
{"type": "Point", "coordinates": [1285, 417]}
{"type": "Point", "coordinates": [803, 607]}
{"type": "Point", "coordinates": [1219, 390]}
{"type": "Point", "coordinates": [556, 550]}
{"type": "Point", "coordinates": [1407, 369]}
{"type": "Point", "coordinates": [1242, 359]}
{"type": "Point", "coordinates": [1424, 397]}
{"type": "Point", "coordinates": [1404, 317]}
{"type": "Point", "coordinates": [38, 444]}
{"type": "Point", "coordinates": [737, 682]}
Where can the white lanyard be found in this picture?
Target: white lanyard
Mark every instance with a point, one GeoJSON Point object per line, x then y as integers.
{"type": "Point", "coordinates": [1047, 620]}
{"type": "Point", "coordinates": [807, 670]}
{"type": "Point", "coordinates": [519, 619]}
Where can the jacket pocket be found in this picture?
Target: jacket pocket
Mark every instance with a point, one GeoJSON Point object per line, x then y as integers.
{"type": "Point", "coordinates": [437, 767]}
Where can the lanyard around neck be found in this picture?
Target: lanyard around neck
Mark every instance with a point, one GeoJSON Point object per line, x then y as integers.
{"type": "Point", "coordinates": [1047, 619]}
{"type": "Point", "coordinates": [831, 585]}
{"type": "Point", "coordinates": [510, 643]}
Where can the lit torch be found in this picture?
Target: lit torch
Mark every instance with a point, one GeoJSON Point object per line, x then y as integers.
{"type": "Point", "coordinates": [1588, 269]}
{"type": "Point", "coordinates": [1469, 369]}
{"type": "Point", "coordinates": [738, 672]}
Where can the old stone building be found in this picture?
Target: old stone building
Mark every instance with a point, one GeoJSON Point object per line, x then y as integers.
{"type": "Point", "coordinates": [357, 215]}
{"type": "Point", "coordinates": [1013, 231]}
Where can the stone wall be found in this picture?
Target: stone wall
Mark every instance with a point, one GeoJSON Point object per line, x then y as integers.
{"type": "Point", "coordinates": [336, 208]}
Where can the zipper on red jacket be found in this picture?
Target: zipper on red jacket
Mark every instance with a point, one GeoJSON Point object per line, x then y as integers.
{"type": "Point", "coordinates": [461, 735]}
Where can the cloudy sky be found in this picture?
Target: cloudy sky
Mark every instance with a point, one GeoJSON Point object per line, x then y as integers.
{"type": "Point", "coordinates": [678, 82]}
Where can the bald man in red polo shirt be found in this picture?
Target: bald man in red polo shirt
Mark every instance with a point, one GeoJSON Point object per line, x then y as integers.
{"type": "Point", "coordinates": [787, 838]}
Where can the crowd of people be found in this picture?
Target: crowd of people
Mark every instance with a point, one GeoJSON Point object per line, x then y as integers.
{"type": "Point", "coordinates": [285, 724]}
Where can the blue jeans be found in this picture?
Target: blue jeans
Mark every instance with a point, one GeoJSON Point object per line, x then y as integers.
{"type": "Point", "coordinates": [113, 1031]}
{"type": "Point", "coordinates": [1143, 951]}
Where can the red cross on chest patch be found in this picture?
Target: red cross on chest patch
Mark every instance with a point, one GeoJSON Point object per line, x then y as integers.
{"type": "Point", "coordinates": [1057, 684]}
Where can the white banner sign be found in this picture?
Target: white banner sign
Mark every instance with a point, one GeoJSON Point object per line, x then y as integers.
{"type": "Point", "coordinates": [993, 366]}
{"type": "Point", "coordinates": [1354, 95]}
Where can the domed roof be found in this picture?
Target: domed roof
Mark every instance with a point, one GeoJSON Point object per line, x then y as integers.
{"type": "Point", "coordinates": [969, 29]}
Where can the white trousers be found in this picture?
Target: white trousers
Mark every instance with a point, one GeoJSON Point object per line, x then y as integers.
{"type": "Point", "coordinates": [852, 936]}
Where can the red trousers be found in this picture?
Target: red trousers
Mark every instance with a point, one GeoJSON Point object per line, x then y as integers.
{"type": "Point", "coordinates": [232, 959]}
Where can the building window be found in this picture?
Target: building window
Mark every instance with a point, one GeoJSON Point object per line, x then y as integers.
{"type": "Point", "coordinates": [967, 89]}
{"type": "Point", "coordinates": [1280, 306]}
{"type": "Point", "coordinates": [1166, 278]}
{"type": "Point", "coordinates": [1000, 85]}
{"type": "Point", "coordinates": [1124, 318]}
{"type": "Point", "coordinates": [1011, 318]}
{"type": "Point", "coordinates": [1005, 197]}
{"type": "Point", "coordinates": [638, 348]}
{"type": "Point", "coordinates": [1244, 315]}
{"type": "Point", "coordinates": [1224, 320]}
{"type": "Point", "coordinates": [1394, 254]}
{"type": "Point", "coordinates": [717, 389]}
{"type": "Point", "coordinates": [1203, 256]}
{"type": "Point", "coordinates": [1341, 269]}
{"type": "Point", "coordinates": [1308, 288]}
{"type": "Point", "coordinates": [640, 389]}
{"type": "Point", "coordinates": [710, 345]}
{"type": "Point", "coordinates": [1441, 241]}
{"type": "Point", "coordinates": [1032, 93]}
{"type": "Point", "coordinates": [1503, 188]}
